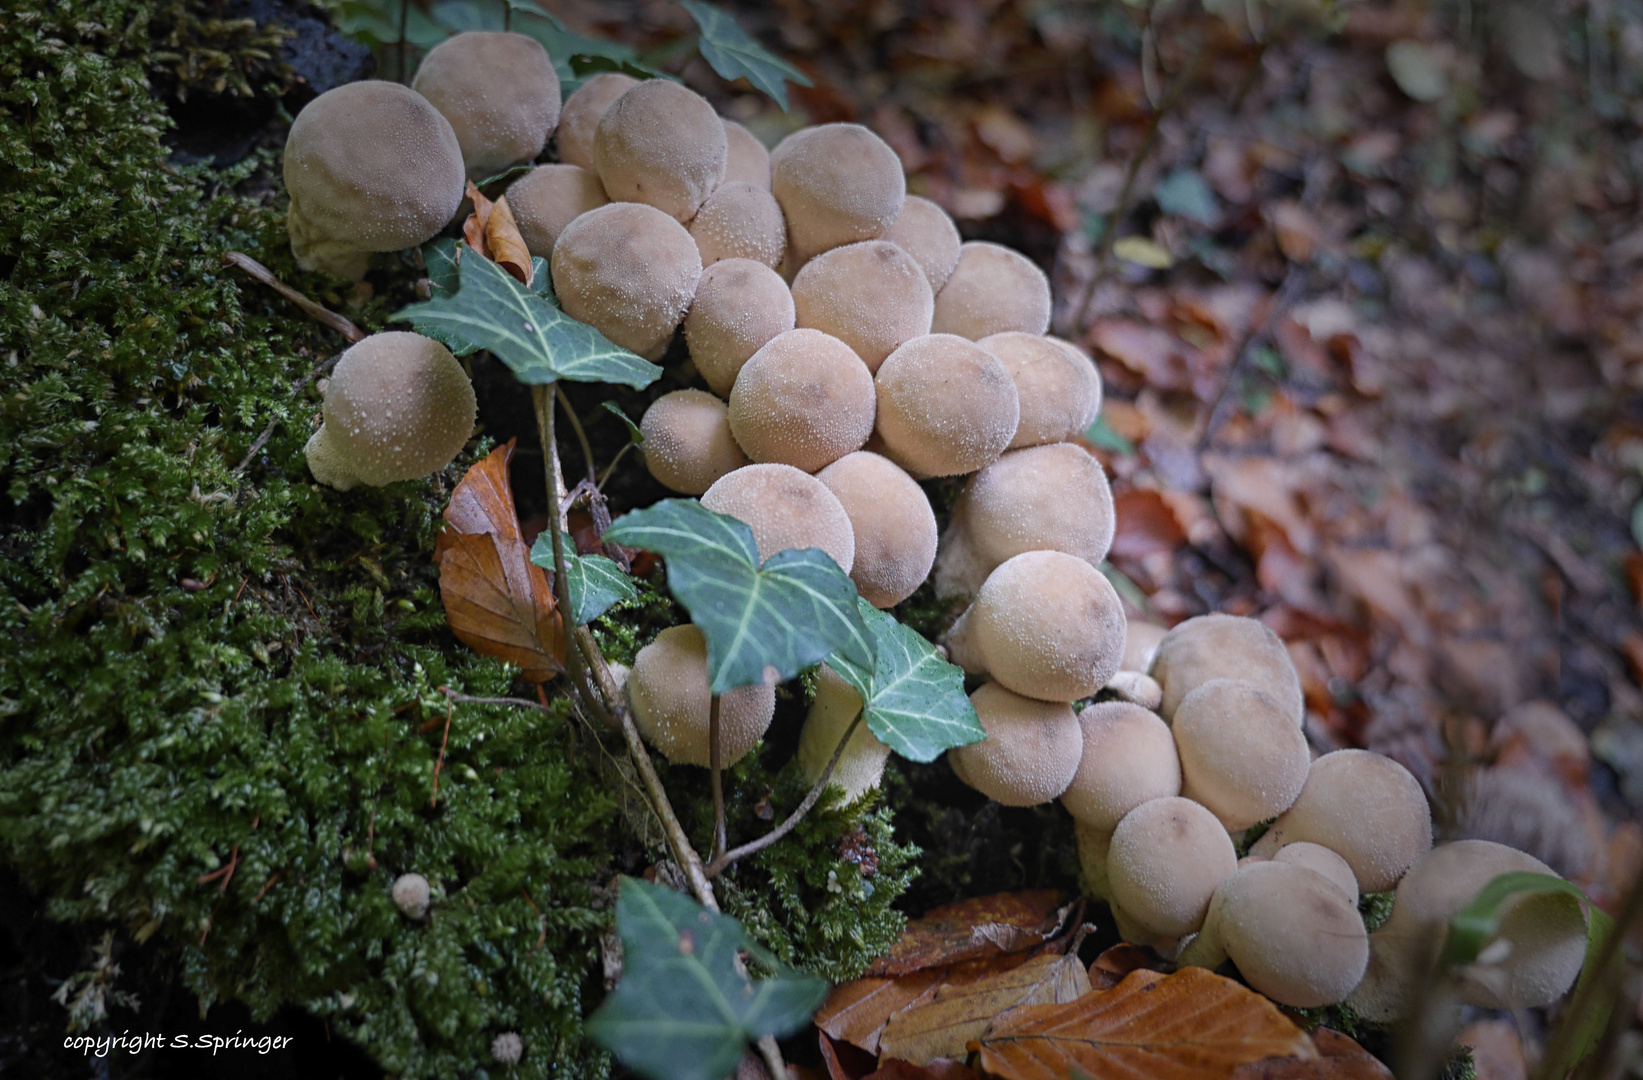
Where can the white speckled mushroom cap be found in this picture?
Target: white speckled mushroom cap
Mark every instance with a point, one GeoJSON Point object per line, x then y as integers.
{"type": "Point", "coordinates": [748, 161]}
{"type": "Point", "coordinates": [1030, 753]}
{"type": "Point", "coordinates": [804, 399]}
{"type": "Point", "coordinates": [668, 690]}
{"type": "Point", "coordinates": [1060, 391]}
{"type": "Point", "coordinates": [740, 306]}
{"type": "Point", "coordinates": [871, 295]}
{"type": "Point", "coordinates": [946, 406]}
{"type": "Point", "coordinates": [1226, 647]}
{"type": "Point", "coordinates": [925, 232]}
{"type": "Point", "coordinates": [895, 528]}
{"type": "Point", "coordinates": [550, 197]}
{"type": "Point", "coordinates": [1167, 858]}
{"type": "Point", "coordinates": [688, 445]}
{"type": "Point", "coordinates": [628, 270]}
{"type": "Point", "coordinates": [837, 184]}
{"type": "Point", "coordinates": [786, 508]}
{"type": "Point", "coordinates": [740, 221]}
{"type": "Point", "coordinates": [1241, 754]}
{"type": "Point", "coordinates": [1128, 759]}
{"type": "Point", "coordinates": [582, 112]}
{"type": "Point", "coordinates": [993, 289]}
{"type": "Point", "coordinates": [500, 93]}
{"type": "Point", "coordinates": [861, 766]}
{"type": "Point", "coordinates": [661, 144]}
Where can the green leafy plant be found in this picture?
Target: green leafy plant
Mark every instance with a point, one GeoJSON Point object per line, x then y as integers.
{"type": "Point", "coordinates": [734, 53]}
{"type": "Point", "coordinates": [595, 583]}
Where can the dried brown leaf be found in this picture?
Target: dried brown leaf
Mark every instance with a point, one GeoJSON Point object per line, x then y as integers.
{"type": "Point", "coordinates": [506, 245]}
{"type": "Point", "coordinates": [940, 1069]}
{"type": "Point", "coordinates": [1110, 968]}
{"type": "Point", "coordinates": [1296, 230]}
{"type": "Point", "coordinates": [971, 929]}
{"type": "Point", "coordinates": [1339, 1058]}
{"type": "Point", "coordinates": [856, 1012]}
{"type": "Point", "coordinates": [960, 1013]}
{"type": "Point", "coordinates": [473, 227]}
{"type": "Point", "coordinates": [1146, 524]}
{"type": "Point", "coordinates": [1151, 353]}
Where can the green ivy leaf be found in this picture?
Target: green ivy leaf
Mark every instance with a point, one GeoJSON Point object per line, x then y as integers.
{"type": "Point", "coordinates": [523, 328]}
{"type": "Point", "coordinates": [584, 66]}
{"type": "Point", "coordinates": [593, 581]}
{"type": "Point", "coordinates": [796, 609]}
{"type": "Point", "coordinates": [563, 44]}
{"type": "Point", "coordinates": [634, 433]}
{"type": "Point", "coordinates": [914, 700]}
{"type": "Point", "coordinates": [1102, 435]}
{"type": "Point", "coordinates": [684, 1010]}
{"type": "Point", "coordinates": [734, 53]}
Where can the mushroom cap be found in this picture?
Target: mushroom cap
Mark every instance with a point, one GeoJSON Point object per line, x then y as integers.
{"type": "Point", "coordinates": [582, 112]}
{"type": "Point", "coordinates": [1168, 856]}
{"type": "Point", "coordinates": [1060, 392]}
{"type": "Point", "coordinates": [1045, 624]}
{"type": "Point", "coordinates": [1366, 808]}
{"type": "Point", "coordinates": [837, 183]}
{"type": "Point", "coordinates": [411, 895]}
{"type": "Point", "coordinates": [946, 406]}
{"type": "Point", "coordinates": [786, 508]}
{"type": "Point", "coordinates": [1128, 759]}
{"type": "Point", "coordinates": [1241, 754]}
{"type": "Point", "coordinates": [748, 161]}
{"type": "Point", "coordinates": [628, 270]}
{"type": "Point", "coordinates": [671, 702]}
{"type": "Point", "coordinates": [397, 407]}
{"type": "Point", "coordinates": [1082, 360]}
{"type": "Point", "coordinates": [1293, 934]}
{"type": "Point", "coordinates": [688, 445]}
{"type": "Point", "coordinates": [1546, 935]}
{"type": "Point", "coordinates": [805, 399]}
{"type": "Point", "coordinates": [1321, 860]}
{"type": "Point", "coordinates": [861, 766]}
{"type": "Point", "coordinates": [740, 221]}
{"type": "Point", "coordinates": [1226, 647]}
{"type": "Point", "coordinates": [550, 197]}
{"type": "Point", "coordinates": [1053, 497]}
{"type": "Point", "coordinates": [991, 290]}
{"type": "Point", "coordinates": [925, 232]}
{"type": "Point", "coordinates": [870, 295]}
{"type": "Point", "coordinates": [1030, 753]}
{"type": "Point", "coordinates": [894, 526]}
{"type": "Point", "coordinates": [371, 166]}
{"type": "Point", "coordinates": [662, 144]}
{"type": "Point", "coordinates": [500, 93]}
{"type": "Point", "coordinates": [1141, 645]}
{"type": "Point", "coordinates": [740, 306]}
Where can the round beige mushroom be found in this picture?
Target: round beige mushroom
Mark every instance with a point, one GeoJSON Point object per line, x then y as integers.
{"type": "Point", "coordinates": [805, 399]}
{"type": "Point", "coordinates": [1241, 754]}
{"type": "Point", "coordinates": [370, 166]}
{"type": "Point", "coordinates": [1226, 647]}
{"type": "Point", "coordinates": [550, 197]}
{"type": "Point", "coordinates": [748, 161]}
{"type": "Point", "coordinates": [786, 508]}
{"type": "Point", "coordinates": [629, 271]}
{"type": "Point", "coordinates": [1128, 759]}
{"type": "Point", "coordinates": [583, 110]}
{"type": "Point", "coordinates": [669, 692]}
{"type": "Point", "coordinates": [1321, 860]}
{"type": "Point", "coordinates": [397, 407]}
{"type": "Point", "coordinates": [946, 406]}
{"type": "Point", "coordinates": [1167, 858]}
{"type": "Point", "coordinates": [837, 184]}
{"type": "Point", "coordinates": [870, 295]}
{"type": "Point", "coordinates": [740, 306]}
{"type": "Point", "coordinates": [1366, 808]}
{"type": "Point", "coordinates": [661, 144]}
{"type": "Point", "coordinates": [1141, 645]}
{"type": "Point", "coordinates": [500, 93]}
{"type": "Point", "coordinates": [894, 526]}
{"type": "Point", "coordinates": [861, 764]}
{"type": "Point", "coordinates": [1093, 845]}
{"type": "Point", "coordinates": [1030, 753]}
{"type": "Point", "coordinates": [688, 445]}
{"type": "Point", "coordinates": [925, 232]}
{"type": "Point", "coordinates": [740, 221]}
{"type": "Point", "coordinates": [1045, 624]}
{"type": "Point", "coordinates": [1531, 962]}
{"type": "Point", "coordinates": [1060, 393]}
{"type": "Point", "coordinates": [993, 290]}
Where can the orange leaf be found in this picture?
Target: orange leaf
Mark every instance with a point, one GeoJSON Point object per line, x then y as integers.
{"type": "Point", "coordinates": [958, 1014]}
{"type": "Point", "coordinates": [505, 244]}
{"type": "Point", "coordinates": [1109, 969]}
{"type": "Point", "coordinates": [940, 1069]}
{"type": "Point", "coordinates": [857, 1012]}
{"type": "Point", "coordinates": [1339, 1058]}
{"type": "Point", "coordinates": [473, 229]}
{"type": "Point", "coordinates": [483, 501]}
{"type": "Point", "coordinates": [983, 926]}
{"type": "Point", "coordinates": [1146, 524]}
{"type": "Point", "coordinates": [1190, 1025]}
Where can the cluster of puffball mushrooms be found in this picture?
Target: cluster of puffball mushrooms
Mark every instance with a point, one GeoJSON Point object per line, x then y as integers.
{"type": "Point", "coordinates": [851, 345]}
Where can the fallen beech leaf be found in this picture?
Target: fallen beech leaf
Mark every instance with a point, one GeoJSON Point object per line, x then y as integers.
{"type": "Point", "coordinates": [1155, 355]}
{"type": "Point", "coordinates": [506, 246]}
{"type": "Point", "coordinates": [843, 1061]}
{"type": "Point", "coordinates": [1110, 968]}
{"type": "Point", "coordinates": [483, 502]}
{"type": "Point", "coordinates": [1339, 1058]}
{"type": "Point", "coordinates": [1296, 230]}
{"type": "Point", "coordinates": [473, 227]}
{"type": "Point", "coordinates": [1193, 1024]}
{"type": "Point", "coordinates": [960, 1013]}
{"type": "Point", "coordinates": [983, 926]}
{"type": "Point", "coordinates": [1146, 524]}
{"type": "Point", "coordinates": [940, 1069]}
{"type": "Point", "coordinates": [858, 1011]}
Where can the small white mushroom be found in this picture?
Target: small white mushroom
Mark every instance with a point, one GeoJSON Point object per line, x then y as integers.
{"type": "Point", "coordinates": [688, 445]}
{"type": "Point", "coordinates": [946, 406]}
{"type": "Point", "coordinates": [740, 306]}
{"type": "Point", "coordinates": [786, 508]}
{"type": "Point", "coordinates": [500, 93]}
{"type": "Point", "coordinates": [861, 765]}
{"type": "Point", "coordinates": [583, 110]}
{"type": "Point", "coordinates": [1167, 858]}
{"type": "Point", "coordinates": [925, 232]}
{"type": "Point", "coordinates": [804, 399]}
{"type": "Point", "coordinates": [661, 144]}
{"type": "Point", "coordinates": [837, 184]}
{"type": "Point", "coordinates": [1226, 647]}
{"type": "Point", "coordinates": [870, 295]}
{"type": "Point", "coordinates": [671, 704]}
{"type": "Point", "coordinates": [748, 161]}
{"type": "Point", "coordinates": [1060, 391]}
{"type": "Point", "coordinates": [992, 290]}
{"type": "Point", "coordinates": [1030, 753]}
{"type": "Point", "coordinates": [1128, 759]}
{"type": "Point", "coordinates": [411, 895]}
{"type": "Point", "coordinates": [630, 271]}
{"type": "Point", "coordinates": [740, 221]}
{"type": "Point", "coordinates": [550, 197]}
{"type": "Point", "coordinates": [894, 526]}
{"type": "Point", "coordinates": [1241, 754]}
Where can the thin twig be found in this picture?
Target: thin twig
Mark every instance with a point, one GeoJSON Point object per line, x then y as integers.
{"type": "Point", "coordinates": [617, 460]}
{"type": "Point", "coordinates": [576, 426]}
{"type": "Point", "coordinates": [318, 312]}
{"type": "Point", "coordinates": [715, 764]}
{"type": "Point", "coordinates": [450, 711]}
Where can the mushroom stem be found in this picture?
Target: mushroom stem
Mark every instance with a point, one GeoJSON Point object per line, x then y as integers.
{"type": "Point", "coordinates": [715, 760]}
{"type": "Point", "coordinates": [576, 426]}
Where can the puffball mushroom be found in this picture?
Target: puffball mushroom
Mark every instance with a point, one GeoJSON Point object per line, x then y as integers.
{"type": "Point", "coordinates": [661, 144]}
{"type": "Point", "coordinates": [870, 295]}
{"type": "Point", "coordinates": [397, 407]}
{"type": "Point", "coordinates": [1141, 645]}
{"type": "Point", "coordinates": [805, 399]}
{"type": "Point", "coordinates": [1060, 392]}
{"type": "Point", "coordinates": [895, 528]}
{"type": "Point", "coordinates": [628, 270]}
{"type": "Point", "coordinates": [861, 765]}
{"type": "Point", "coordinates": [1030, 753]}
{"type": "Point", "coordinates": [992, 290]}
{"type": "Point", "coordinates": [740, 221]}
{"type": "Point", "coordinates": [740, 306]}
{"type": "Point", "coordinates": [1041, 498]}
{"type": "Point", "coordinates": [1128, 758]}
{"type": "Point", "coordinates": [1226, 647]}
{"type": "Point", "coordinates": [581, 115]}
{"type": "Point", "coordinates": [671, 702]}
{"type": "Point", "coordinates": [1539, 949]}
{"type": "Point", "coordinates": [1045, 624]}
{"type": "Point", "coordinates": [1242, 755]}
{"type": "Point", "coordinates": [371, 166]}
{"type": "Point", "coordinates": [1293, 934]}
{"type": "Point", "coordinates": [925, 232]}
{"type": "Point", "coordinates": [500, 93]}
{"type": "Point", "coordinates": [550, 197]}
{"type": "Point", "coordinates": [411, 895]}
{"type": "Point", "coordinates": [1321, 860]}
{"type": "Point", "coordinates": [946, 406]}
{"type": "Point", "coordinates": [748, 162]}
{"type": "Point", "coordinates": [688, 445]}
{"type": "Point", "coordinates": [1167, 858]}
{"type": "Point", "coordinates": [1366, 808]}
{"type": "Point", "coordinates": [786, 508]}
{"type": "Point", "coordinates": [837, 184]}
